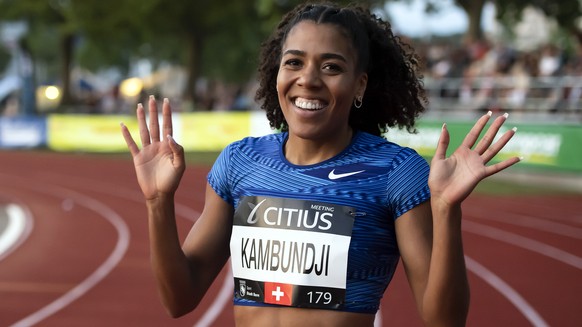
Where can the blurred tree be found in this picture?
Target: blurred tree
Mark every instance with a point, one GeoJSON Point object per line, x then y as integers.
{"type": "Point", "coordinates": [474, 10]}
{"type": "Point", "coordinates": [215, 38]}
{"type": "Point", "coordinates": [220, 38]}
{"type": "Point", "coordinates": [41, 14]}
{"type": "Point", "coordinates": [4, 58]}
{"type": "Point", "coordinates": [111, 31]}
{"type": "Point", "coordinates": [566, 13]}
{"type": "Point", "coordinates": [193, 24]}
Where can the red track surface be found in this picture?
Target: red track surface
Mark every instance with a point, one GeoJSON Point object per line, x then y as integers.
{"type": "Point", "coordinates": [86, 261]}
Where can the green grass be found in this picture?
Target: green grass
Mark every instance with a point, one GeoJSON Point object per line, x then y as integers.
{"type": "Point", "coordinates": [201, 158]}
{"type": "Point", "coordinates": [192, 158]}
{"type": "Point", "coordinates": [490, 186]}
{"type": "Point", "coordinates": [493, 186]}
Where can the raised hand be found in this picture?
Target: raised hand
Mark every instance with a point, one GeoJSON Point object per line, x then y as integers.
{"type": "Point", "coordinates": [160, 164]}
{"type": "Point", "coordinates": [452, 179]}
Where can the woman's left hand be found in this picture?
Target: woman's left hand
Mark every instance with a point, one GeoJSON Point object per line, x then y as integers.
{"type": "Point", "coordinates": [452, 179]}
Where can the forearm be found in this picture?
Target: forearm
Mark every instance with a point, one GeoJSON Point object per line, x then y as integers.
{"type": "Point", "coordinates": [169, 263]}
{"type": "Point", "coordinates": [446, 299]}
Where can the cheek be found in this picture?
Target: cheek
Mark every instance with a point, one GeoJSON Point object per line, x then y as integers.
{"type": "Point", "coordinates": [282, 78]}
{"type": "Point", "coordinates": [345, 93]}
{"type": "Point", "coordinates": [279, 85]}
{"type": "Point", "coordinates": [282, 86]}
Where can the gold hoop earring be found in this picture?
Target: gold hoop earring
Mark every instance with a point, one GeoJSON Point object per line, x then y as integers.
{"type": "Point", "coordinates": [358, 102]}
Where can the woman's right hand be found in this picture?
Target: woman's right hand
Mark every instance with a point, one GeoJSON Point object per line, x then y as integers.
{"type": "Point", "coordinates": [160, 164]}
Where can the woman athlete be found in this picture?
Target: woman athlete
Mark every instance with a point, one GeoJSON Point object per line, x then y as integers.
{"type": "Point", "coordinates": [316, 216]}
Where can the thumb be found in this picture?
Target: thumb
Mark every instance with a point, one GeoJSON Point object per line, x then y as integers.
{"type": "Point", "coordinates": [177, 151]}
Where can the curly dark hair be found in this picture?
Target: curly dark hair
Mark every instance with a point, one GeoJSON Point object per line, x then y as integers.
{"type": "Point", "coordinates": [394, 95]}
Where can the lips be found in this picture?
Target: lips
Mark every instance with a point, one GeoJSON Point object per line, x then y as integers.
{"type": "Point", "coordinates": [310, 104]}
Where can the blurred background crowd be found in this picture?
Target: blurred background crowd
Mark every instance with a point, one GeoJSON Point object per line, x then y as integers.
{"type": "Point", "coordinates": [99, 57]}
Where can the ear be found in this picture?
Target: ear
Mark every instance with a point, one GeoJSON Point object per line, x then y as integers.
{"type": "Point", "coordinates": [362, 83]}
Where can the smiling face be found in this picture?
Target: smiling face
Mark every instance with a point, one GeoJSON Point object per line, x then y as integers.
{"type": "Point", "coordinates": [318, 81]}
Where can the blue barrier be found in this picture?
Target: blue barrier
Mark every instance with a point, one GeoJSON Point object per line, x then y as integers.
{"type": "Point", "coordinates": [23, 132]}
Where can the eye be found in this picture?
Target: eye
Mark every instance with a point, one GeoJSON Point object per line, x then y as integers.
{"type": "Point", "coordinates": [332, 68]}
{"type": "Point", "coordinates": [292, 63]}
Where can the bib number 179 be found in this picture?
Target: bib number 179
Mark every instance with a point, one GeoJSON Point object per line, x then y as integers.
{"type": "Point", "coordinates": [316, 297]}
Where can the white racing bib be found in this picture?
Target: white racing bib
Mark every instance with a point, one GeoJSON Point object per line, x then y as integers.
{"type": "Point", "coordinates": [291, 252]}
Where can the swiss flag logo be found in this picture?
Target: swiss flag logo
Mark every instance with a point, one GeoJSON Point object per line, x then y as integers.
{"type": "Point", "coordinates": [278, 293]}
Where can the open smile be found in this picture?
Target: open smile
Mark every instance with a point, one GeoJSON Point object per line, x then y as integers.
{"type": "Point", "coordinates": [309, 104]}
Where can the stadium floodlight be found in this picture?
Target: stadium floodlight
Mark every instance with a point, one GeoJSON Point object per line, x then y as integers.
{"type": "Point", "coordinates": [131, 87]}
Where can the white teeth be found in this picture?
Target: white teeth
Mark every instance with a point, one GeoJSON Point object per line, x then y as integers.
{"type": "Point", "coordinates": [309, 104]}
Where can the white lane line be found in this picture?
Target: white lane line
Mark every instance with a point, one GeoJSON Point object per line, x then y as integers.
{"type": "Point", "coordinates": [224, 296]}
{"type": "Point", "coordinates": [530, 222]}
{"type": "Point", "coordinates": [507, 291]}
{"type": "Point", "coordinates": [18, 228]}
{"type": "Point", "coordinates": [102, 271]}
{"type": "Point", "coordinates": [121, 192]}
{"type": "Point", "coordinates": [378, 319]}
{"type": "Point", "coordinates": [226, 291]}
{"type": "Point", "coordinates": [523, 242]}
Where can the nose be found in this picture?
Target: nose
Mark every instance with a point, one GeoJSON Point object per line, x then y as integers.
{"type": "Point", "coordinates": [309, 77]}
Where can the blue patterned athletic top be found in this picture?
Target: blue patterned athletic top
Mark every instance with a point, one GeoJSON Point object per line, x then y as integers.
{"type": "Point", "coordinates": [380, 179]}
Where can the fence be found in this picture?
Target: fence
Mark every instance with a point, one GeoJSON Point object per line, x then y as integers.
{"type": "Point", "coordinates": [556, 98]}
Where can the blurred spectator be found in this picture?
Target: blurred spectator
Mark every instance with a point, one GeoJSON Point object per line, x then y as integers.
{"type": "Point", "coordinates": [111, 102]}
{"type": "Point", "coordinates": [550, 61]}
{"type": "Point", "coordinates": [486, 76]}
{"type": "Point", "coordinates": [241, 100]}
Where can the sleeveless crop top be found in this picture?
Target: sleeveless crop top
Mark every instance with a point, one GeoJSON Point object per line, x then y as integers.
{"type": "Point", "coordinates": [323, 233]}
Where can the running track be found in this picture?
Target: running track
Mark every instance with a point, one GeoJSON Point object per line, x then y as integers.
{"type": "Point", "coordinates": [84, 260]}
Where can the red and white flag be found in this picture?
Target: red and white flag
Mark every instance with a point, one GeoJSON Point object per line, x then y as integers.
{"type": "Point", "coordinates": [278, 293]}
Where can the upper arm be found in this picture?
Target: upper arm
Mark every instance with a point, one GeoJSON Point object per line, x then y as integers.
{"type": "Point", "coordinates": [207, 243]}
{"type": "Point", "coordinates": [414, 237]}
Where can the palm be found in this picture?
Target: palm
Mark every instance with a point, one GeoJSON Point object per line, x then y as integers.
{"type": "Point", "coordinates": [452, 179]}
{"type": "Point", "coordinates": [156, 170]}
{"type": "Point", "coordinates": [455, 177]}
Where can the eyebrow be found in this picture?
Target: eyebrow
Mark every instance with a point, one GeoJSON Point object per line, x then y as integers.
{"type": "Point", "coordinates": [324, 55]}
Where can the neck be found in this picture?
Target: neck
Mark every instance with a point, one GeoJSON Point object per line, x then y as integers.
{"type": "Point", "coordinates": [302, 151]}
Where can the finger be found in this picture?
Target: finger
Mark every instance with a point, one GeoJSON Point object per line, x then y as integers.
{"type": "Point", "coordinates": [499, 145]}
{"type": "Point", "coordinates": [133, 148]}
{"type": "Point", "coordinates": [167, 117]}
{"type": "Point", "coordinates": [494, 169]}
{"type": "Point", "coordinates": [474, 133]}
{"type": "Point", "coordinates": [144, 133]}
{"type": "Point", "coordinates": [154, 124]}
{"type": "Point", "coordinates": [177, 151]}
{"type": "Point", "coordinates": [489, 137]}
{"type": "Point", "coordinates": [443, 144]}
